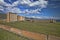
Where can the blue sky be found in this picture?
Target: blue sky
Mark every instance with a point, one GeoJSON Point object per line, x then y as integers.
{"type": "Point", "coordinates": [43, 9]}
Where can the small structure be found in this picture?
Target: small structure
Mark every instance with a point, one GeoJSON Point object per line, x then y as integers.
{"type": "Point", "coordinates": [11, 17]}
{"type": "Point", "coordinates": [52, 21]}
{"type": "Point", "coordinates": [20, 18]}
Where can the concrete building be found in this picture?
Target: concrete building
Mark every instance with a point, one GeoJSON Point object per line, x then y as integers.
{"type": "Point", "coordinates": [11, 17]}
{"type": "Point", "coordinates": [20, 18]}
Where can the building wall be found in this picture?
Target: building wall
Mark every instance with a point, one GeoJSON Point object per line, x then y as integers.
{"type": "Point", "coordinates": [8, 18]}
{"type": "Point", "coordinates": [11, 17]}
{"type": "Point", "coordinates": [20, 18]}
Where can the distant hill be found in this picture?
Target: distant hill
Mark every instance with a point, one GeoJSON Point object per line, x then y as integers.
{"type": "Point", "coordinates": [58, 20]}
{"type": "Point", "coordinates": [2, 16]}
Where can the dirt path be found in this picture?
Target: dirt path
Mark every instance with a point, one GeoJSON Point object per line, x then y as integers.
{"type": "Point", "coordinates": [31, 35]}
{"type": "Point", "coordinates": [35, 36]}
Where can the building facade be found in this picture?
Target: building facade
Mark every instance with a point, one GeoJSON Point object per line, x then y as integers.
{"type": "Point", "coordinates": [11, 17]}
{"type": "Point", "coordinates": [20, 18]}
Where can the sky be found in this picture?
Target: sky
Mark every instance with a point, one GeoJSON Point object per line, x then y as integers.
{"type": "Point", "coordinates": [42, 9]}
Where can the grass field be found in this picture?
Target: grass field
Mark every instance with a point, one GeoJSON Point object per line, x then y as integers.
{"type": "Point", "coordinates": [45, 28]}
{"type": "Point", "coordinates": [5, 35]}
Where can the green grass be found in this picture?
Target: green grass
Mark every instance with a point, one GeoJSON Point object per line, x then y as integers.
{"type": "Point", "coordinates": [45, 28]}
{"type": "Point", "coordinates": [5, 35]}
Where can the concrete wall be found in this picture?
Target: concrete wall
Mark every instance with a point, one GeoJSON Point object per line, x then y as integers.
{"type": "Point", "coordinates": [20, 18]}
{"type": "Point", "coordinates": [11, 17]}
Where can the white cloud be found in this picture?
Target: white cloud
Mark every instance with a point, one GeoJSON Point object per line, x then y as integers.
{"type": "Point", "coordinates": [1, 8]}
{"type": "Point", "coordinates": [11, 8]}
{"type": "Point", "coordinates": [32, 11]}
{"type": "Point", "coordinates": [25, 2]}
{"type": "Point", "coordinates": [16, 10]}
{"type": "Point", "coordinates": [36, 17]}
{"type": "Point", "coordinates": [1, 0]}
{"type": "Point", "coordinates": [41, 3]}
{"type": "Point", "coordinates": [16, 3]}
{"type": "Point", "coordinates": [7, 4]}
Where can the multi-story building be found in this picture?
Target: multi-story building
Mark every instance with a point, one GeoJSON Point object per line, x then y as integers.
{"type": "Point", "coordinates": [11, 17]}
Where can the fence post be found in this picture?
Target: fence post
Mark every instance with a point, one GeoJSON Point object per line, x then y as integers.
{"type": "Point", "coordinates": [47, 37]}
